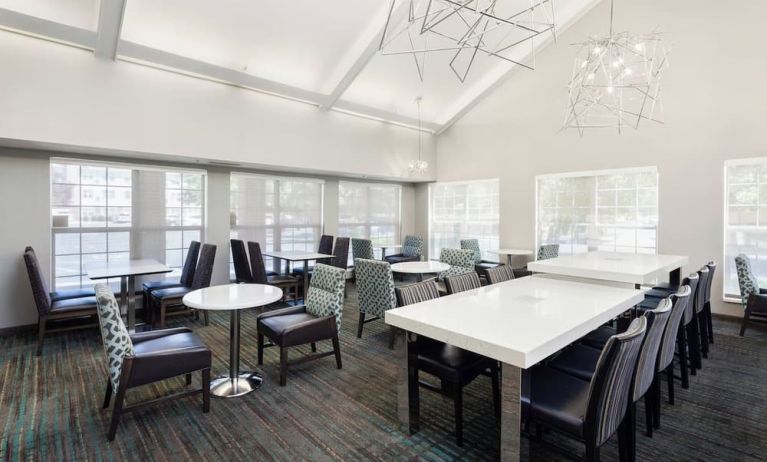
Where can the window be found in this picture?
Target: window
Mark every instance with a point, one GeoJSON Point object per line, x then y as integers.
{"type": "Point", "coordinates": [463, 210]}
{"type": "Point", "coordinates": [108, 212]}
{"type": "Point", "coordinates": [745, 219]}
{"type": "Point", "coordinates": [279, 213]}
{"type": "Point", "coordinates": [369, 211]}
{"type": "Point", "coordinates": [609, 210]}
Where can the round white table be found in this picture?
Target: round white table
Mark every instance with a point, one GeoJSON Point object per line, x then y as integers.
{"type": "Point", "coordinates": [420, 268]}
{"type": "Point", "coordinates": [233, 298]}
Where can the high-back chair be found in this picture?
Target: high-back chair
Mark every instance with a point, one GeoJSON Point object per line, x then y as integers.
{"type": "Point", "coordinates": [65, 294]}
{"type": "Point", "coordinates": [362, 248]}
{"type": "Point", "coordinates": [319, 319]}
{"type": "Point", "coordinates": [325, 247]}
{"type": "Point", "coordinates": [50, 310]}
{"type": "Point", "coordinates": [341, 253]}
{"type": "Point", "coordinates": [187, 274]}
{"type": "Point", "coordinates": [589, 411]}
{"type": "Point", "coordinates": [703, 297]}
{"type": "Point", "coordinates": [288, 284]}
{"type": "Point", "coordinates": [147, 357]}
{"type": "Point", "coordinates": [707, 308]}
{"type": "Point", "coordinates": [461, 261]}
{"type": "Point", "coordinates": [375, 290]}
{"type": "Point", "coordinates": [548, 251]}
{"type": "Point", "coordinates": [412, 249]}
{"type": "Point", "coordinates": [696, 337]}
{"type": "Point", "coordinates": [462, 283]}
{"type": "Point", "coordinates": [242, 273]}
{"type": "Point", "coordinates": [499, 274]}
{"type": "Point", "coordinates": [480, 265]}
{"type": "Point", "coordinates": [754, 298]}
{"type": "Point", "coordinates": [453, 366]}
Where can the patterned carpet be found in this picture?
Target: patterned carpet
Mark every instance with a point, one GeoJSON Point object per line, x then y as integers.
{"type": "Point", "coordinates": [50, 407]}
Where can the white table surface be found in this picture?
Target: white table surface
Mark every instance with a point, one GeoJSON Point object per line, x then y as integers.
{"type": "Point", "coordinates": [611, 266]}
{"type": "Point", "coordinates": [115, 269]}
{"type": "Point", "coordinates": [296, 255]}
{"type": "Point", "coordinates": [514, 252]}
{"type": "Point", "coordinates": [420, 267]}
{"type": "Point", "coordinates": [232, 297]}
{"type": "Point", "coordinates": [390, 246]}
{"type": "Point", "coordinates": [519, 322]}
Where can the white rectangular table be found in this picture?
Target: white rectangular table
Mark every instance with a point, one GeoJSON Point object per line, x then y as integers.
{"type": "Point", "coordinates": [518, 322]}
{"type": "Point", "coordinates": [299, 255]}
{"type": "Point", "coordinates": [629, 268]}
{"type": "Point", "coordinates": [127, 272]}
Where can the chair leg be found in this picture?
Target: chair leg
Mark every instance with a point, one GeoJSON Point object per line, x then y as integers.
{"type": "Point", "coordinates": [283, 366]}
{"type": "Point", "coordinates": [337, 351]}
{"type": "Point", "coordinates": [495, 377]}
{"type": "Point", "coordinates": [41, 335]}
{"type": "Point", "coordinates": [670, 378]}
{"type": "Point", "coordinates": [703, 328]}
{"type": "Point", "coordinates": [360, 324]}
{"type": "Point", "coordinates": [681, 342]}
{"type": "Point", "coordinates": [592, 453]}
{"type": "Point", "coordinates": [392, 335]}
{"type": "Point", "coordinates": [108, 394]}
{"type": "Point", "coordinates": [656, 401]}
{"type": "Point", "coordinates": [206, 390]}
{"type": "Point", "coordinates": [693, 341]}
{"type": "Point", "coordinates": [206, 316]}
{"type": "Point", "coordinates": [458, 407]}
{"type": "Point", "coordinates": [648, 410]}
{"type": "Point", "coordinates": [314, 347]}
{"type": "Point", "coordinates": [709, 322]}
{"type": "Point", "coordinates": [260, 338]}
{"type": "Point", "coordinates": [162, 314]}
{"type": "Point", "coordinates": [746, 318]}
{"type": "Point", "coordinates": [119, 399]}
{"type": "Point", "coordinates": [188, 379]}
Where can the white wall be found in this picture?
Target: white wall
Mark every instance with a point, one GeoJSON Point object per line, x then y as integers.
{"type": "Point", "coordinates": [57, 94]}
{"type": "Point", "coordinates": [714, 98]}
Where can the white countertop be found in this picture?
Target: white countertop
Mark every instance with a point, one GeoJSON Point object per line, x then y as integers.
{"type": "Point", "coordinates": [115, 269]}
{"type": "Point", "coordinates": [519, 322]}
{"type": "Point", "coordinates": [513, 252]}
{"type": "Point", "coordinates": [232, 297]}
{"type": "Point", "coordinates": [611, 266]}
{"type": "Point", "coordinates": [420, 267]}
{"type": "Point", "coordinates": [296, 255]}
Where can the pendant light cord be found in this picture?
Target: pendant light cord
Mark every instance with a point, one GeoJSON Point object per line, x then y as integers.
{"type": "Point", "coordinates": [418, 100]}
{"type": "Point", "coordinates": [612, 7]}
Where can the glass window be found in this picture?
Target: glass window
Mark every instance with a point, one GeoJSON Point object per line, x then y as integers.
{"type": "Point", "coordinates": [369, 211]}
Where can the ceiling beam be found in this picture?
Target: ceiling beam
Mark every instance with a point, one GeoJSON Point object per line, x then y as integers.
{"type": "Point", "coordinates": [111, 13]}
{"type": "Point", "coordinates": [566, 18]}
{"type": "Point", "coordinates": [384, 116]}
{"type": "Point", "coordinates": [49, 30]}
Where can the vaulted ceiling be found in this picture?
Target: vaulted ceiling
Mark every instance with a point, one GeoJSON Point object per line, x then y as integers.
{"type": "Point", "coordinates": [323, 53]}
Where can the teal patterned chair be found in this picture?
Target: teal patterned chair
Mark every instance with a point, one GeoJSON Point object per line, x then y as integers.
{"type": "Point", "coordinates": [319, 319]}
{"type": "Point", "coordinates": [480, 265]}
{"type": "Point", "coordinates": [362, 248]}
{"type": "Point", "coordinates": [461, 261]}
{"type": "Point", "coordinates": [412, 249]}
{"type": "Point", "coordinates": [754, 298]}
{"type": "Point", "coordinates": [146, 357]}
{"type": "Point", "coordinates": [548, 251]}
{"type": "Point", "coordinates": [375, 289]}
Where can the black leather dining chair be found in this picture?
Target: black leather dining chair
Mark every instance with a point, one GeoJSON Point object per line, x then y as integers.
{"type": "Point", "coordinates": [187, 274]}
{"type": "Point", "coordinates": [242, 273]}
{"type": "Point", "coordinates": [288, 284]}
{"type": "Point", "coordinates": [325, 247]}
{"type": "Point", "coordinates": [66, 294]}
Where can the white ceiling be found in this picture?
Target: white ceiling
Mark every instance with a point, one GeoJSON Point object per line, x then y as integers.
{"type": "Point", "coordinates": [323, 52]}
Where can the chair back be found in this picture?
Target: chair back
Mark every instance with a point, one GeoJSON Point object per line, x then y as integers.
{"type": "Point", "coordinates": [257, 263]}
{"type": "Point", "coordinates": [375, 286]}
{"type": "Point", "coordinates": [749, 284]}
{"type": "Point", "coordinates": [204, 271]}
{"type": "Point", "coordinates": [417, 293]}
{"type": "Point", "coordinates": [362, 248]}
{"type": "Point", "coordinates": [499, 274]}
{"type": "Point", "coordinates": [461, 261]}
{"type": "Point", "coordinates": [610, 388]}
{"type": "Point", "coordinates": [326, 247]}
{"type": "Point", "coordinates": [341, 253]}
{"type": "Point", "coordinates": [326, 292]}
{"type": "Point", "coordinates": [462, 282]}
{"type": "Point", "coordinates": [681, 300]}
{"type": "Point", "coordinates": [700, 293]}
{"type": "Point", "coordinates": [114, 334]}
{"type": "Point", "coordinates": [40, 290]}
{"type": "Point", "coordinates": [548, 251]}
{"type": "Point", "coordinates": [473, 245]}
{"type": "Point", "coordinates": [190, 264]}
{"type": "Point", "coordinates": [711, 270]}
{"type": "Point", "coordinates": [412, 246]}
{"type": "Point", "coordinates": [242, 271]}
{"type": "Point", "coordinates": [692, 280]}
{"type": "Point", "coordinates": [657, 320]}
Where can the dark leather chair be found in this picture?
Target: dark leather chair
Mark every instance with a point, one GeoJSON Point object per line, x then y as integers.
{"type": "Point", "coordinates": [326, 247]}
{"type": "Point", "coordinates": [319, 319]}
{"type": "Point", "coordinates": [340, 253]}
{"type": "Point", "coordinates": [168, 302]}
{"type": "Point", "coordinates": [453, 366]}
{"type": "Point", "coordinates": [412, 249]}
{"type": "Point", "coordinates": [146, 357]}
{"type": "Point", "coordinates": [462, 283]}
{"type": "Point", "coordinates": [187, 274]}
{"type": "Point", "coordinates": [753, 297]}
{"type": "Point", "coordinates": [288, 284]}
{"type": "Point", "coordinates": [707, 307]}
{"type": "Point", "coordinates": [499, 274]}
{"type": "Point", "coordinates": [65, 294]}
{"type": "Point", "coordinates": [588, 411]}
{"type": "Point", "coordinates": [56, 314]}
{"type": "Point", "coordinates": [242, 273]}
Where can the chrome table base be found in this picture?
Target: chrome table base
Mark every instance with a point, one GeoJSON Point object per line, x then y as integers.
{"type": "Point", "coordinates": [226, 387]}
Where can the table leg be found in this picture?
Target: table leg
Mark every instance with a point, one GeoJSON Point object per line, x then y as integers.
{"type": "Point", "coordinates": [131, 303]}
{"type": "Point", "coordinates": [419, 277]}
{"type": "Point", "coordinates": [306, 278]}
{"type": "Point", "coordinates": [238, 382]}
{"type": "Point", "coordinates": [511, 412]}
{"type": "Point", "coordinates": [675, 277]}
{"type": "Point", "coordinates": [124, 294]}
{"type": "Point", "coordinates": [509, 259]}
{"type": "Point", "coordinates": [407, 382]}
{"type": "Point", "coordinates": [383, 253]}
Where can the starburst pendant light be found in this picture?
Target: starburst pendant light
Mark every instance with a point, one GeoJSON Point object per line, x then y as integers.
{"type": "Point", "coordinates": [418, 166]}
{"type": "Point", "coordinates": [464, 29]}
{"type": "Point", "coordinates": [616, 81]}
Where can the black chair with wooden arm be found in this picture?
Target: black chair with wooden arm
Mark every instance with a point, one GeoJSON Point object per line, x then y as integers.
{"type": "Point", "coordinates": [288, 284]}
{"type": "Point", "coordinates": [66, 294]}
{"type": "Point", "coordinates": [242, 273]}
{"type": "Point", "coordinates": [326, 247]}
{"type": "Point", "coordinates": [187, 275]}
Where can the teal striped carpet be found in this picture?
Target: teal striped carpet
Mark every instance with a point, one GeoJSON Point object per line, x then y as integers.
{"type": "Point", "coordinates": [50, 407]}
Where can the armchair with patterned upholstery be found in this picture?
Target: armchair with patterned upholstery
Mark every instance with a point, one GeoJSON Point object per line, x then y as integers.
{"type": "Point", "coordinates": [147, 357]}
{"type": "Point", "coordinates": [319, 319]}
{"type": "Point", "coordinates": [375, 289]}
{"type": "Point", "coordinates": [754, 298]}
{"type": "Point", "coordinates": [412, 249]}
{"type": "Point", "coordinates": [480, 265]}
{"type": "Point", "coordinates": [461, 261]}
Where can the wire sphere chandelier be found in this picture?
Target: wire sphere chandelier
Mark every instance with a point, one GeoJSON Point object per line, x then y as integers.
{"type": "Point", "coordinates": [466, 28]}
{"type": "Point", "coordinates": [616, 81]}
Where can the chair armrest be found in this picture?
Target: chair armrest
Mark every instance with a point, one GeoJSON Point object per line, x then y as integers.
{"type": "Point", "coordinates": [490, 261]}
{"type": "Point", "coordinates": [139, 337]}
{"type": "Point", "coordinates": [282, 312]}
{"type": "Point", "coordinates": [762, 291]}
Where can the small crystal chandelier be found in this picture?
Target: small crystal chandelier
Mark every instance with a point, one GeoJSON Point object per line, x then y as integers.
{"type": "Point", "coordinates": [418, 166]}
{"type": "Point", "coordinates": [616, 81]}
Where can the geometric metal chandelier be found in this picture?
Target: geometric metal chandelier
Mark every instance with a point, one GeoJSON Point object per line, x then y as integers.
{"type": "Point", "coordinates": [616, 81]}
{"type": "Point", "coordinates": [465, 28]}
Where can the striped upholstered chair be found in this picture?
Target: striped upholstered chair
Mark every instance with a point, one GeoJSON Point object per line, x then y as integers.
{"type": "Point", "coordinates": [462, 283]}
{"type": "Point", "coordinates": [375, 289]}
{"type": "Point", "coordinates": [412, 249]}
{"type": "Point", "coordinates": [499, 274]}
{"type": "Point", "coordinates": [480, 265]}
{"type": "Point", "coordinates": [753, 297]}
{"type": "Point", "coordinates": [461, 261]}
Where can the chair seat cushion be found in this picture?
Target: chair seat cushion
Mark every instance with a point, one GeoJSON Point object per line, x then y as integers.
{"type": "Point", "coordinates": [399, 258]}
{"type": "Point", "coordinates": [598, 338]}
{"type": "Point", "coordinates": [283, 330]}
{"type": "Point", "coordinates": [73, 304]}
{"type": "Point", "coordinates": [649, 304]}
{"type": "Point", "coordinates": [71, 293]}
{"type": "Point", "coordinates": [162, 284]}
{"type": "Point", "coordinates": [171, 292]}
{"type": "Point", "coordinates": [666, 286]}
{"type": "Point", "coordinates": [169, 356]}
{"type": "Point", "coordinates": [300, 270]}
{"type": "Point", "coordinates": [445, 360]}
{"type": "Point", "coordinates": [283, 279]}
{"type": "Point", "coordinates": [485, 265]}
{"type": "Point", "coordinates": [658, 293]}
{"type": "Point", "coordinates": [558, 400]}
{"type": "Point", "coordinates": [579, 361]}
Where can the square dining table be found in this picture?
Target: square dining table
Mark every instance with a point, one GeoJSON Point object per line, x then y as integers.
{"type": "Point", "coordinates": [519, 323]}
